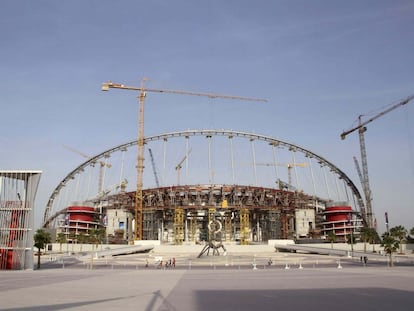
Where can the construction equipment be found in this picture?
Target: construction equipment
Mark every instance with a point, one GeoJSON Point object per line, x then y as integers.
{"type": "Point", "coordinates": [178, 225]}
{"type": "Point", "coordinates": [140, 141]}
{"type": "Point", "coordinates": [363, 184]}
{"type": "Point", "coordinates": [154, 169]}
{"type": "Point", "coordinates": [361, 129]}
{"type": "Point", "coordinates": [102, 164]}
{"type": "Point", "coordinates": [361, 178]}
{"type": "Point", "coordinates": [179, 166]}
{"type": "Point", "coordinates": [288, 165]}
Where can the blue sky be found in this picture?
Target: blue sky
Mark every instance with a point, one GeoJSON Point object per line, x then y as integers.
{"type": "Point", "coordinates": [319, 63]}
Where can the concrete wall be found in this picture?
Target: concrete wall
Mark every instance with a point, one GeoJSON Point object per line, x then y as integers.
{"type": "Point", "coordinates": [230, 247]}
{"type": "Point", "coordinates": [304, 217]}
{"type": "Point", "coordinates": [78, 248]}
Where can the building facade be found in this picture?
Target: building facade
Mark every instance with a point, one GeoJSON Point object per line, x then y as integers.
{"type": "Point", "coordinates": [17, 195]}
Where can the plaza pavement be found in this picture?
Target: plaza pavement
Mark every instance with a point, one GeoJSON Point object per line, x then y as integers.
{"type": "Point", "coordinates": [238, 281]}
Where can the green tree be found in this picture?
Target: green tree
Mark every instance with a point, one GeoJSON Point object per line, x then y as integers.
{"type": "Point", "coordinates": [97, 235]}
{"type": "Point", "coordinates": [41, 239]}
{"type": "Point", "coordinates": [369, 235]}
{"type": "Point", "coordinates": [332, 238]}
{"type": "Point", "coordinates": [82, 239]}
{"type": "Point", "coordinates": [72, 238]}
{"type": "Point", "coordinates": [351, 240]}
{"type": "Point", "coordinates": [400, 233]}
{"type": "Point", "coordinates": [365, 236]}
{"type": "Point", "coordinates": [61, 238]}
{"type": "Point", "coordinates": [410, 238]}
{"type": "Point", "coordinates": [390, 244]}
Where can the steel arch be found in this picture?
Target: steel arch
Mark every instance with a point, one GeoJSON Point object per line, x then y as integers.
{"type": "Point", "coordinates": [229, 133]}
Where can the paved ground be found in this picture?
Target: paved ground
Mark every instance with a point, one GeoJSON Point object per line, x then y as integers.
{"type": "Point", "coordinates": [211, 283]}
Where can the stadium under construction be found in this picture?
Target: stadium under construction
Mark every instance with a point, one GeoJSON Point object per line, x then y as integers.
{"type": "Point", "coordinates": [219, 211]}
{"type": "Point", "coordinates": [235, 193]}
{"type": "Point", "coordinates": [243, 214]}
{"type": "Point", "coordinates": [196, 213]}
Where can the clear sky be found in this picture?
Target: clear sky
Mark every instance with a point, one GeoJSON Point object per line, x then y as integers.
{"type": "Point", "coordinates": [320, 64]}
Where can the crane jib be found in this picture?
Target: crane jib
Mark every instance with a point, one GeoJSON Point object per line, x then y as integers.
{"type": "Point", "coordinates": [405, 101]}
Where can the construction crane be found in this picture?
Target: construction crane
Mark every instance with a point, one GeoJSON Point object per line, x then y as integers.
{"type": "Point", "coordinates": [288, 165]}
{"type": "Point", "coordinates": [154, 169]}
{"type": "Point", "coordinates": [361, 129]}
{"type": "Point", "coordinates": [179, 166]}
{"type": "Point", "coordinates": [361, 178]}
{"type": "Point", "coordinates": [140, 140]}
{"type": "Point", "coordinates": [102, 164]}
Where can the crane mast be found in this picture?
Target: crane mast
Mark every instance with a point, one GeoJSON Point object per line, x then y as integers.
{"type": "Point", "coordinates": [361, 178]}
{"type": "Point", "coordinates": [359, 171]}
{"type": "Point", "coordinates": [140, 141]}
{"type": "Point", "coordinates": [154, 168]}
{"type": "Point", "coordinates": [179, 166]}
{"type": "Point", "coordinates": [102, 165]}
{"type": "Point", "coordinates": [365, 180]}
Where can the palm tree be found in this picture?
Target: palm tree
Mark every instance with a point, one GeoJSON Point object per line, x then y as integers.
{"type": "Point", "coordinates": [41, 239]}
{"type": "Point", "coordinates": [373, 238]}
{"type": "Point", "coordinates": [351, 240]}
{"type": "Point", "coordinates": [72, 238]}
{"type": "Point", "coordinates": [410, 238]}
{"type": "Point", "coordinates": [365, 236]}
{"type": "Point", "coordinates": [331, 237]}
{"type": "Point", "coordinates": [82, 238]}
{"type": "Point", "coordinates": [390, 244]}
{"type": "Point", "coordinates": [369, 235]}
{"type": "Point", "coordinates": [400, 233]}
{"type": "Point", "coordinates": [61, 238]}
{"type": "Point", "coordinates": [97, 235]}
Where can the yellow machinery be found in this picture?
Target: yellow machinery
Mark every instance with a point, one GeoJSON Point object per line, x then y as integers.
{"type": "Point", "coordinates": [244, 226]}
{"type": "Point", "coordinates": [178, 226]}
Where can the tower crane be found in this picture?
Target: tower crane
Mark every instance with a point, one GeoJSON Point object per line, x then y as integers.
{"type": "Point", "coordinates": [102, 164]}
{"type": "Point", "coordinates": [154, 169]}
{"type": "Point", "coordinates": [179, 166]}
{"type": "Point", "coordinates": [288, 165]}
{"type": "Point", "coordinates": [140, 140]}
{"type": "Point", "coordinates": [361, 129]}
{"type": "Point", "coordinates": [361, 178]}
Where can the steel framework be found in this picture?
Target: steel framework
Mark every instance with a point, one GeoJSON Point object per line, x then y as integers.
{"type": "Point", "coordinates": [183, 213]}
{"type": "Point", "coordinates": [50, 214]}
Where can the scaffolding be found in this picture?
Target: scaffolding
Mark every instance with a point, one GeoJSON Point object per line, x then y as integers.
{"type": "Point", "coordinates": [150, 231]}
{"type": "Point", "coordinates": [193, 226]}
{"type": "Point", "coordinates": [227, 226]}
{"type": "Point", "coordinates": [244, 226]}
{"type": "Point", "coordinates": [273, 225]}
{"type": "Point", "coordinates": [184, 213]}
{"type": "Point", "coordinates": [178, 226]}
